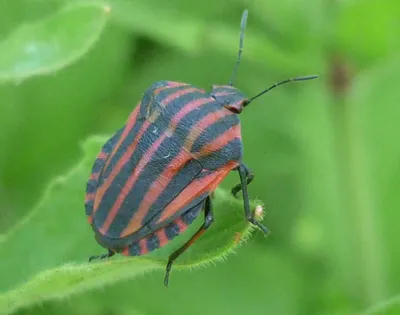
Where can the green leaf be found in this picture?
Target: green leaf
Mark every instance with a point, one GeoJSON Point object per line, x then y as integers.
{"type": "Point", "coordinates": [59, 268]}
{"type": "Point", "coordinates": [71, 279]}
{"type": "Point", "coordinates": [53, 43]}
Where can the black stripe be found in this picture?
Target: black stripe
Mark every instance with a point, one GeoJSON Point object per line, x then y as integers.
{"type": "Point", "coordinates": [173, 107]}
{"type": "Point", "coordinates": [165, 153]}
{"type": "Point", "coordinates": [155, 101]}
{"type": "Point", "coordinates": [132, 241]}
{"type": "Point", "coordinates": [89, 207]}
{"type": "Point", "coordinates": [178, 183]}
{"type": "Point", "coordinates": [231, 98]}
{"type": "Point", "coordinates": [215, 130]}
{"type": "Point", "coordinates": [189, 216]}
{"type": "Point", "coordinates": [148, 96]}
{"type": "Point", "coordinates": [171, 231]}
{"type": "Point", "coordinates": [148, 138]}
{"type": "Point", "coordinates": [153, 242]}
{"type": "Point", "coordinates": [91, 186]}
{"type": "Point", "coordinates": [232, 151]}
{"type": "Point", "coordinates": [147, 100]}
{"type": "Point", "coordinates": [184, 127]}
{"type": "Point", "coordinates": [98, 165]}
{"type": "Point", "coordinates": [171, 228]}
{"type": "Point", "coordinates": [224, 89]}
{"type": "Point", "coordinates": [158, 128]}
{"type": "Point", "coordinates": [134, 249]}
{"type": "Point", "coordinates": [197, 202]}
{"type": "Point", "coordinates": [107, 149]}
{"type": "Point", "coordinates": [130, 137]}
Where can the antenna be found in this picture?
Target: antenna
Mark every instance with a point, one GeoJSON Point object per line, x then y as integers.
{"type": "Point", "coordinates": [304, 78]}
{"type": "Point", "coordinates": [242, 28]}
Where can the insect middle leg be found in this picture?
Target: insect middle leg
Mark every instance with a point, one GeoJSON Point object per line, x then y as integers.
{"type": "Point", "coordinates": [243, 173]}
{"type": "Point", "coordinates": [249, 179]}
{"type": "Point", "coordinates": [208, 220]}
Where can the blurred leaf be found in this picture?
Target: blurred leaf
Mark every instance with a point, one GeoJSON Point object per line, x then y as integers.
{"type": "Point", "coordinates": [194, 36]}
{"type": "Point", "coordinates": [52, 43]}
{"type": "Point", "coordinates": [389, 307]}
{"type": "Point", "coordinates": [15, 13]}
{"type": "Point", "coordinates": [365, 41]}
{"type": "Point", "coordinates": [59, 219]}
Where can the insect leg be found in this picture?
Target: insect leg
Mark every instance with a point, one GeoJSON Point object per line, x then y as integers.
{"type": "Point", "coordinates": [208, 219]}
{"type": "Point", "coordinates": [249, 179]}
{"type": "Point", "coordinates": [109, 254]}
{"type": "Point", "coordinates": [243, 182]}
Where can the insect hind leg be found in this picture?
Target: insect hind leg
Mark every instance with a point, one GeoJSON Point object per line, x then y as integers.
{"type": "Point", "coordinates": [103, 256]}
{"type": "Point", "coordinates": [243, 173]}
{"type": "Point", "coordinates": [208, 220]}
{"type": "Point", "coordinates": [249, 178]}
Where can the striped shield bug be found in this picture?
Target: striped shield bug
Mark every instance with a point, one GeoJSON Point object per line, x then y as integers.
{"type": "Point", "coordinates": [155, 175]}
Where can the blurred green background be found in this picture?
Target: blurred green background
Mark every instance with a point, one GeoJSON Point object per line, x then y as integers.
{"type": "Point", "coordinates": [325, 153]}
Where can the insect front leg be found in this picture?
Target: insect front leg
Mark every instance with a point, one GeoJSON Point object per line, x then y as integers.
{"type": "Point", "coordinates": [249, 179]}
{"type": "Point", "coordinates": [243, 173]}
{"type": "Point", "coordinates": [208, 220]}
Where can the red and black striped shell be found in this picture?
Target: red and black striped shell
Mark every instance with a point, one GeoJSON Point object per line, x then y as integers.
{"type": "Point", "coordinates": [150, 180]}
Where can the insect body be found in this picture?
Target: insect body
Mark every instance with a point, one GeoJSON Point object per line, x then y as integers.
{"type": "Point", "coordinates": [156, 174]}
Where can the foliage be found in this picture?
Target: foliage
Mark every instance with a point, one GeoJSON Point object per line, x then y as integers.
{"type": "Point", "coordinates": [325, 154]}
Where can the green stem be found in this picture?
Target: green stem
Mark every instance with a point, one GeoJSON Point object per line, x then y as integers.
{"type": "Point", "coordinates": [356, 179]}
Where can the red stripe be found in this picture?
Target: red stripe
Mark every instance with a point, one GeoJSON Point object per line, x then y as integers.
{"type": "Point", "coordinates": [208, 183]}
{"type": "Point", "coordinates": [188, 108]}
{"type": "Point", "coordinates": [131, 149]}
{"type": "Point", "coordinates": [136, 220]}
{"type": "Point", "coordinates": [161, 183]}
{"type": "Point", "coordinates": [203, 124]}
{"type": "Point", "coordinates": [222, 93]}
{"type": "Point", "coordinates": [219, 142]}
{"type": "Point", "coordinates": [89, 197]}
{"type": "Point", "coordinates": [157, 187]}
{"type": "Point", "coordinates": [162, 237]}
{"type": "Point", "coordinates": [138, 169]}
{"type": "Point", "coordinates": [118, 167]}
{"type": "Point", "coordinates": [165, 178]}
{"type": "Point", "coordinates": [215, 86]}
{"type": "Point", "coordinates": [196, 186]}
{"type": "Point", "coordinates": [143, 246]}
{"type": "Point", "coordinates": [172, 84]}
{"type": "Point", "coordinates": [94, 176]}
{"type": "Point", "coordinates": [102, 155]}
{"type": "Point", "coordinates": [133, 116]}
{"type": "Point", "coordinates": [181, 225]}
{"type": "Point", "coordinates": [125, 251]}
{"type": "Point", "coordinates": [175, 95]}
{"type": "Point", "coordinates": [129, 125]}
{"type": "Point", "coordinates": [130, 182]}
